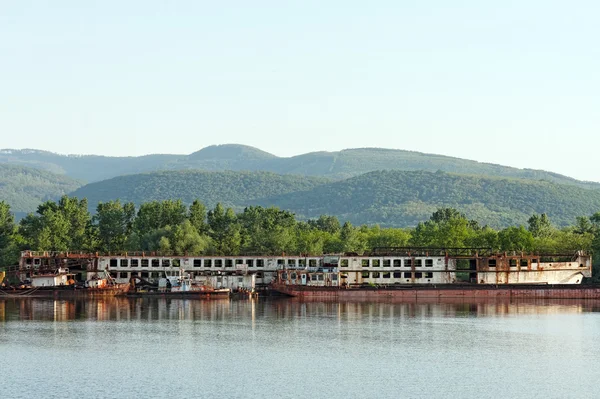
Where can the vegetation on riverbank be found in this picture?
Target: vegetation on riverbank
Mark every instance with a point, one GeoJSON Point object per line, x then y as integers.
{"type": "Point", "coordinates": [172, 227]}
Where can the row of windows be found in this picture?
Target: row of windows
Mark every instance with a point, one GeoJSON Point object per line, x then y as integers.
{"type": "Point", "coordinates": [390, 262]}
{"type": "Point", "coordinates": [312, 277]}
{"type": "Point", "coordinates": [513, 262]}
{"type": "Point", "coordinates": [206, 262]}
{"type": "Point", "coordinates": [396, 275]}
{"type": "Point", "coordinates": [157, 275]}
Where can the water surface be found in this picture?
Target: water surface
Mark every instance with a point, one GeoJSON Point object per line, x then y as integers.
{"type": "Point", "coordinates": [154, 348]}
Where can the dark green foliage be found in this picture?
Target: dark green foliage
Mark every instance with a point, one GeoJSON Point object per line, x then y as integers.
{"type": "Point", "coordinates": [229, 188]}
{"type": "Point", "coordinates": [395, 198]}
{"type": "Point", "coordinates": [25, 188]}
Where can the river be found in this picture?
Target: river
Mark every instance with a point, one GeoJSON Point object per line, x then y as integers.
{"type": "Point", "coordinates": [284, 348]}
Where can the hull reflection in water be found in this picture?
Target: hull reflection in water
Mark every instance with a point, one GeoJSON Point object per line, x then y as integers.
{"type": "Point", "coordinates": [140, 309]}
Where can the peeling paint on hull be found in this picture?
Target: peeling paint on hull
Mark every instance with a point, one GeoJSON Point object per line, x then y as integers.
{"type": "Point", "coordinates": [415, 293]}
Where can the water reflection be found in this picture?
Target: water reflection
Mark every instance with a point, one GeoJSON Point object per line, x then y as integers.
{"type": "Point", "coordinates": [149, 309]}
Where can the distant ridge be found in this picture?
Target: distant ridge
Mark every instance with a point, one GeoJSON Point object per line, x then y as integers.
{"type": "Point", "coordinates": [387, 198]}
{"type": "Point", "coordinates": [230, 151]}
{"type": "Point", "coordinates": [25, 188]}
{"type": "Point", "coordinates": [335, 165]}
{"type": "Point", "coordinates": [229, 188]}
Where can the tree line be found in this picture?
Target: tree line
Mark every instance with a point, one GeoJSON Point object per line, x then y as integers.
{"type": "Point", "coordinates": [172, 227]}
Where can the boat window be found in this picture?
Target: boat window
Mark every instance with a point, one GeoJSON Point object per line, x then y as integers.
{"type": "Point", "coordinates": [239, 261]}
{"type": "Point", "coordinates": [228, 262]}
{"type": "Point", "coordinates": [113, 262]}
{"type": "Point", "coordinates": [387, 263]}
{"type": "Point", "coordinates": [397, 274]}
{"type": "Point", "coordinates": [260, 262]}
{"type": "Point", "coordinates": [284, 276]}
{"type": "Point", "coordinates": [513, 262]}
{"type": "Point", "coordinates": [124, 262]}
{"type": "Point", "coordinates": [144, 275]}
{"type": "Point", "coordinates": [418, 275]}
{"type": "Point", "coordinates": [534, 261]}
{"type": "Point", "coordinates": [312, 263]}
{"type": "Point", "coordinates": [375, 262]}
{"type": "Point", "coordinates": [176, 262]}
{"type": "Point", "coordinates": [365, 274]}
{"type": "Point", "coordinates": [166, 262]}
{"type": "Point", "coordinates": [207, 262]}
{"type": "Point", "coordinates": [218, 262]}
{"type": "Point", "coordinates": [365, 263]}
{"type": "Point", "coordinates": [280, 262]}
{"type": "Point", "coordinates": [259, 275]}
{"type": "Point", "coordinates": [408, 263]}
{"type": "Point", "coordinates": [240, 279]}
{"type": "Point", "coordinates": [250, 262]}
{"type": "Point", "coordinates": [302, 262]}
{"type": "Point", "coordinates": [492, 262]}
{"type": "Point", "coordinates": [418, 262]}
{"type": "Point", "coordinates": [397, 263]}
{"type": "Point", "coordinates": [376, 274]}
{"type": "Point", "coordinates": [428, 262]}
{"type": "Point", "coordinates": [123, 275]}
{"type": "Point", "coordinates": [313, 277]}
{"type": "Point", "coordinates": [429, 275]}
{"type": "Point", "coordinates": [320, 277]}
{"type": "Point", "coordinates": [344, 263]}
{"type": "Point", "coordinates": [155, 262]}
{"type": "Point", "coordinates": [135, 262]}
{"type": "Point", "coordinates": [386, 275]}
{"type": "Point", "coordinates": [334, 277]}
{"type": "Point", "coordinates": [197, 262]}
{"type": "Point", "coordinates": [293, 276]}
{"type": "Point", "coordinates": [145, 262]}
{"type": "Point", "coordinates": [523, 263]}
{"type": "Point", "coordinates": [407, 274]}
{"type": "Point", "coordinates": [291, 262]}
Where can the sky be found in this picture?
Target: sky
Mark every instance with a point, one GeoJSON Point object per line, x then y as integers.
{"type": "Point", "coordinates": [512, 82]}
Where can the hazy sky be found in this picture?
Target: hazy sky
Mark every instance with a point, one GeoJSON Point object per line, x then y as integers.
{"type": "Point", "coordinates": [509, 82]}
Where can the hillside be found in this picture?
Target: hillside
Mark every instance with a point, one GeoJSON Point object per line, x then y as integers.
{"type": "Point", "coordinates": [229, 188]}
{"type": "Point", "coordinates": [84, 167]}
{"type": "Point", "coordinates": [25, 188]}
{"type": "Point", "coordinates": [389, 198]}
{"type": "Point", "coordinates": [332, 165]}
{"type": "Point", "coordinates": [396, 198]}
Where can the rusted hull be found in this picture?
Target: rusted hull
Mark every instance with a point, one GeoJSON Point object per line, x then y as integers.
{"type": "Point", "coordinates": [60, 293]}
{"type": "Point", "coordinates": [416, 293]}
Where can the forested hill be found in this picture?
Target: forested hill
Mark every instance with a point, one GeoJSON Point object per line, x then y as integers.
{"type": "Point", "coordinates": [396, 198]}
{"type": "Point", "coordinates": [85, 167]}
{"type": "Point", "coordinates": [230, 188]}
{"type": "Point", "coordinates": [388, 198]}
{"type": "Point", "coordinates": [333, 165]}
{"type": "Point", "coordinates": [25, 188]}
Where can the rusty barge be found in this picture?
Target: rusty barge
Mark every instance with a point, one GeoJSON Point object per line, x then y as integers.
{"type": "Point", "coordinates": [420, 273]}
{"type": "Point", "coordinates": [409, 273]}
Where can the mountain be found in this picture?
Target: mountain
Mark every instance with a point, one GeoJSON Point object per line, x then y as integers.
{"type": "Point", "coordinates": [388, 198]}
{"type": "Point", "coordinates": [25, 188]}
{"type": "Point", "coordinates": [332, 165]}
{"type": "Point", "coordinates": [230, 188]}
{"type": "Point", "coordinates": [399, 198]}
{"type": "Point", "coordinates": [85, 167]}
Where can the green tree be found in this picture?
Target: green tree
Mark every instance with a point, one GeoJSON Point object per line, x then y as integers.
{"type": "Point", "coordinates": [114, 225]}
{"type": "Point", "coordinates": [225, 230]}
{"type": "Point", "coordinates": [540, 225]}
{"type": "Point", "coordinates": [9, 252]}
{"type": "Point", "coordinates": [197, 216]}
{"type": "Point", "coordinates": [515, 239]}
